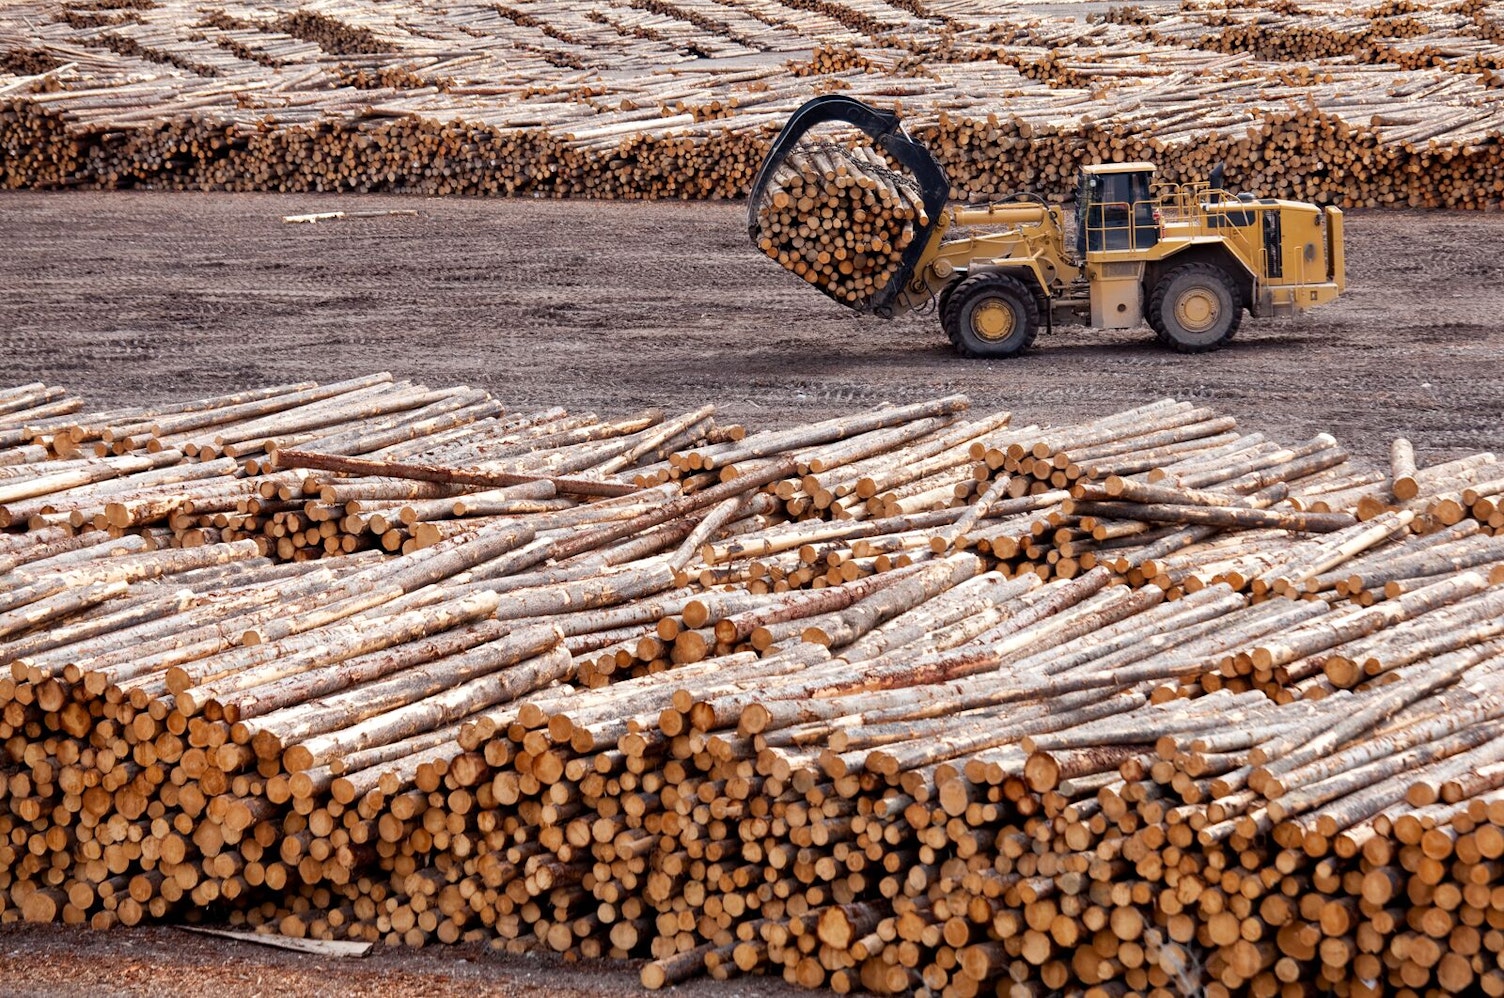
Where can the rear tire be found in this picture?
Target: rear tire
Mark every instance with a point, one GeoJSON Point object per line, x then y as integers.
{"type": "Point", "coordinates": [991, 315]}
{"type": "Point", "coordinates": [1195, 308]}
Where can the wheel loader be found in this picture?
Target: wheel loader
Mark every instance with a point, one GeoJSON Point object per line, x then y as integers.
{"type": "Point", "coordinates": [1185, 259]}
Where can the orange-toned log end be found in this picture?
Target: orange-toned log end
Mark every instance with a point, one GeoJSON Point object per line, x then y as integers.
{"type": "Point", "coordinates": [816, 636]}
{"type": "Point", "coordinates": [1041, 772]}
{"type": "Point", "coordinates": [955, 796]}
{"type": "Point", "coordinates": [754, 720]}
{"type": "Point", "coordinates": [42, 905]}
{"type": "Point", "coordinates": [238, 817]}
{"type": "Point", "coordinates": [582, 740]}
{"type": "Point", "coordinates": [671, 722]}
{"type": "Point", "coordinates": [81, 895]}
{"type": "Point", "coordinates": [178, 681]}
{"type": "Point", "coordinates": [1342, 672]}
{"type": "Point", "coordinates": [834, 928]}
{"type": "Point", "coordinates": [559, 937]}
{"type": "Point", "coordinates": [702, 717]}
{"type": "Point", "coordinates": [342, 790]}
{"type": "Point", "coordinates": [117, 514]}
{"type": "Point", "coordinates": [302, 786]}
{"type": "Point", "coordinates": [696, 614]}
{"type": "Point", "coordinates": [1422, 793]}
{"type": "Point", "coordinates": [548, 768]}
{"type": "Point", "coordinates": [50, 696]}
{"type": "Point", "coordinates": [266, 745]}
{"type": "Point", "coordinates": [882, 764]}
{"type": "Point", "coordinates": [749, 955]}
{"type": "Point", "coordinates": [75, 720]}
{"type": "Point", "coordinates": [296, 759]}
{"type": "Point", "coordinates": [689, 647]}
{"type": "Point", "coordinates": [808, 973]}
{"type": "Point", "coordinates": [468, 769]}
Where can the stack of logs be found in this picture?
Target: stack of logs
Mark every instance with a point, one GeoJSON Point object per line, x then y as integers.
{"type": "Point", "coordinates": [1137, 703]}
{"type": "Point", "coordinates": [556, 102]}
{"type": "Point", "coordinates": [840, 218]}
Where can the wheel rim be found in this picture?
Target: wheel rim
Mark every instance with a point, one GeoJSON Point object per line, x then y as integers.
{"type": "Point", "coordinates": [1198, 310]}
{"type": "Point", "coordinates": [992, 321]}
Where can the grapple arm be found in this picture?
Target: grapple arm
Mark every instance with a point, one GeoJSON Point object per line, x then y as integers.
{"type": "Point", "coordinates": [888, 135]}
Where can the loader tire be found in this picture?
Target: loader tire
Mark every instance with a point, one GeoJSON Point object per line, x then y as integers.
{"type": "Point", "coordinates": [991, 315]}
{"type": "Point", "coordinates": [1195, 309]}
{"type": "Point", "coordinates": [946, 293]}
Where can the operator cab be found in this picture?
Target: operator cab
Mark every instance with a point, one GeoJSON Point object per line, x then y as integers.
{"type": "Point", "coordinates": [1114, 207]}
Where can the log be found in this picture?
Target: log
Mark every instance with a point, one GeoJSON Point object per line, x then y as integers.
{"type": "Point", "coordinates": [555, 729]}
{"type": "Point", "coordinates": [445, 476]}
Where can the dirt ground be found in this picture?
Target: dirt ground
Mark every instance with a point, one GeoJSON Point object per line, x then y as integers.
{"type": "Point", "coordinates": [156, 961]}
{"type": "Point", "coordinates": [141, 297]}
{"type": "Point", "coordinates": [151, 297]}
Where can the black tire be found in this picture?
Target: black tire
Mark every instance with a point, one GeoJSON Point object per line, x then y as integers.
{"type": "Point", "coordinates": [1195, 308]}
{"type": "Point", "coordinates": [1159, 327]}
{"type": "Point", "coordinates": [991, 315]}
{"type": "Point", "coordinates": [943, 299]}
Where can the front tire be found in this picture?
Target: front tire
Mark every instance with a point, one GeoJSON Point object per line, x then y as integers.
{"type": "Point", "coordinates": [991, 315]}
{"type": "Point", "coordinates": [943, 301]}
{"type": "Point", "coordinates": [1195, 308]}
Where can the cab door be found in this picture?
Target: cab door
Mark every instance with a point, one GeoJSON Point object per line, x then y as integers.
{"type": "Point", "coordinates": [1116, 212]}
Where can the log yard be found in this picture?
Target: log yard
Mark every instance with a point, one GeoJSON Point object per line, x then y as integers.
{"type": "Point", "coordinates": [757, 497]}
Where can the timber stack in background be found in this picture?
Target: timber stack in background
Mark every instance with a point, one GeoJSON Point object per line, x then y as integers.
{"type": "Point", "coordinates": [1392, 104]}
{"type": "Point", "coordinates": [912, 700]}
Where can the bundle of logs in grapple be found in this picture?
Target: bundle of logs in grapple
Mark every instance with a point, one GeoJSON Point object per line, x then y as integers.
{"type": "Point", "coordinates": [840, 218]}
{"type": "Point", "coordinates": [913, 700]}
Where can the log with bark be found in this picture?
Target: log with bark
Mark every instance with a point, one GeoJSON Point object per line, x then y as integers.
{"type": "Point", "coordinates": [668, 725]}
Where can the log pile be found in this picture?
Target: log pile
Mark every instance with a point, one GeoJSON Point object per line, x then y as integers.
{"type": "Point", "coordinates": [208, 470]}
{"type": "Point", "coordinates": [840, 218]}
{"type": "Point", "coordinates": [827, 59]}
{"type": "Point", "coordinates": [1248, 741]}
{"type": "Point", "coordinates": [1317, 100]}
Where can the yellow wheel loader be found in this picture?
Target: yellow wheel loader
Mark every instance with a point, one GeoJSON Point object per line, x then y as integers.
{"type": "Point", "coordinates": [1185, 259]}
